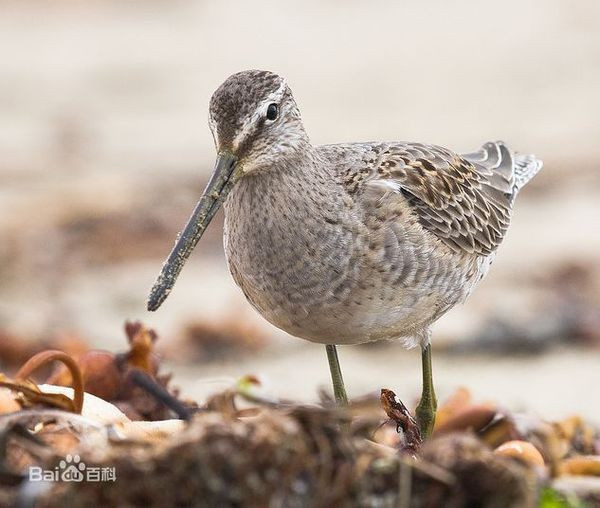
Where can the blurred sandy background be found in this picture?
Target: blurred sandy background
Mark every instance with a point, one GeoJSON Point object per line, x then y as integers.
{"type": "Point", "coordinates": [104, 149]}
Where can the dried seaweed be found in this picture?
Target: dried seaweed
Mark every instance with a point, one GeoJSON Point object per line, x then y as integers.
{"type": "Point", "coordinates": [131, 380]}
{"type": "Point", "coordinates": [243, 447]}
{"type": "Point", "coordinates": [398, 412]}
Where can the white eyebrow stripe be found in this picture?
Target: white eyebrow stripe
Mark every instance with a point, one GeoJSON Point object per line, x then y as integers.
{"type": "Point", "coordinates": [212, 125]}
{"type": "Point", "coordinates": [278, 94]}
{"type": "Point", "coordinates": [261, 110]}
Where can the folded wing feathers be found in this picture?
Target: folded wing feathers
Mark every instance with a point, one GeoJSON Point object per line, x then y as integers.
{"type": "Point", "coordinates": [464, 200]}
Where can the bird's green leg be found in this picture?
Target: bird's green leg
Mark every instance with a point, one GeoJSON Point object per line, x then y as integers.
{"type": "Point", "coordinates": [428, 404]}
{"type": "Point", "coordinates": [339, 390]}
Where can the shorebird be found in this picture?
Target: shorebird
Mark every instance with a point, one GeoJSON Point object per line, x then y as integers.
{"type": "Point", "coordinates": [347, 243]}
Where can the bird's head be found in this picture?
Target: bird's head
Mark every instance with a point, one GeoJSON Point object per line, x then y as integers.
{"type": "Point", "coordinates": [254, 119]}
{"type": "Point", "coordinates": [255, 122]}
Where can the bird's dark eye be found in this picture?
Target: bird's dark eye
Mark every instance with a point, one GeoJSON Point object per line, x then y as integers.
{"type": "Point", "coordinates": [272, 111]}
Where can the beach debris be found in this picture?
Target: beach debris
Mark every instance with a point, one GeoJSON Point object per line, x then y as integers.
{"type": "Point", "coordinates": [523, 451]}
{"type": "Point", "coordinates": [131, 380]}
{"type": "Point", "coordinates": [244, 446]}
{"type": "Point", "coordinates": [397, 411]}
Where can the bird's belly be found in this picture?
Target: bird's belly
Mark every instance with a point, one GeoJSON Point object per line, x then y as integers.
{"type": "Point", "coordinates": [311, 298]}
{"type": "Point", "coordinates": [366, 316]}
{"type": "Point", "coordinates": [360, 320]}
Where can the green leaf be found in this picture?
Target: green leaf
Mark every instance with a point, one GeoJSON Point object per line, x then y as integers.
{"type": "Point", "coordinates": [550, 498]}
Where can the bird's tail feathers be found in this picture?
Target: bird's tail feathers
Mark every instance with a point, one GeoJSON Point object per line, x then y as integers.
{"type": "Point", "coordinates": [525, 168]}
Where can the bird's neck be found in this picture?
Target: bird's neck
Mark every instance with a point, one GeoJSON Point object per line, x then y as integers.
{"type": "Point", "coordinates": [298, 187]}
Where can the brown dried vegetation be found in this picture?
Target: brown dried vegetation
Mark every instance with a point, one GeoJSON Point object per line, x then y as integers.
{"type": "Point", "coordinates": [242, 448]}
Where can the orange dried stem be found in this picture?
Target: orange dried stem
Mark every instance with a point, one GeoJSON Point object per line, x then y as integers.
{"type": "Point", "coordinates": [41, 359]}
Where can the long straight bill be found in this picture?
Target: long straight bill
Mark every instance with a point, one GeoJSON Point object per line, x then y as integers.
{"type": "Point", "coordinates": [221, 182]}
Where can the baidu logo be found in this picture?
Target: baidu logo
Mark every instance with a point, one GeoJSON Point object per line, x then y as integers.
{"type": "Point", "coordinates": [72, 469]}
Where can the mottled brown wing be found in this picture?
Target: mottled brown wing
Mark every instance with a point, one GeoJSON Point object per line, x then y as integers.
{"type": "Point", "coordinates": [465, 200]}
